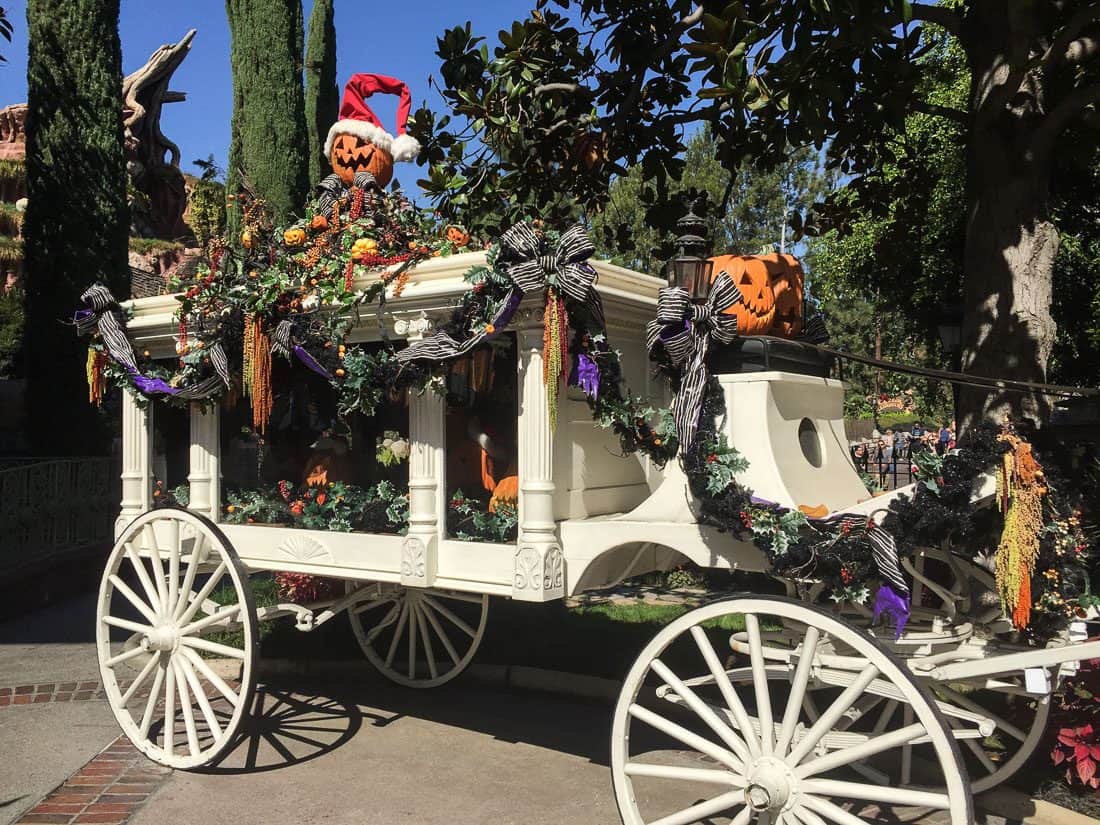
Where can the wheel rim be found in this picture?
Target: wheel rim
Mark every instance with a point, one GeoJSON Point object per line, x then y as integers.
{"type": "Point", "coordinates": [749, 732]}
{"type": "Point", "coordinates": [176, 636]}
{"type": "Point", "coordinates": [419, 637]}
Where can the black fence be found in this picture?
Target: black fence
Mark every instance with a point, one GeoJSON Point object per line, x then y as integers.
{"type": "Point", "coordinates": [888, 467]}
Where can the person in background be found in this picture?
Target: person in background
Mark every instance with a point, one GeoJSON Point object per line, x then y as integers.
{"type": "Point", "coordinates": [917, 431]}
{"type": "Point", "coordinates": [943, 440]}
{"type": "Point", "coordinates": [886, 459]}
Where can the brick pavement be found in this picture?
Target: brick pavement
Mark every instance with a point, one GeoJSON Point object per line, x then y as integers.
{"type": "Point", "coordinates": [50, 692]}
{"type": "Point", "coordinates": [108, 790]}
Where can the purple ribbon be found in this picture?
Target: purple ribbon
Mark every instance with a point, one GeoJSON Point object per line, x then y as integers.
{"type": "Point", "coordinates": [504, 317]}
{"type": "Point", "coordinates": [310, 361]}
{"type": "Point", "coordinates": [891, 603]}
{"type": "Point", "coordinates": [586, 375]}
{"type": "Point", "coordinates": [151, 386]}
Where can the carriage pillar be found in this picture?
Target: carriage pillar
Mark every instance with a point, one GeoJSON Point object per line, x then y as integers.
{"type": "Point", "coordinates": [539, 574]}
{"type": "Point", "coordinates": [427, 434]}
{"type": "Point", "coordinates": [137, 461]}
{"type": "Point", "coordinates": [204, 474]}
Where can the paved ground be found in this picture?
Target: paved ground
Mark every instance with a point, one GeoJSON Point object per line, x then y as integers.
{"type": "Point", "coordinates": [313, 753]}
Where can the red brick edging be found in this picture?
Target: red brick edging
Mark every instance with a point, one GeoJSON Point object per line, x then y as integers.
{"type": "Point", "coordinates": [108, 790]}
{"type": "Point", "coordinates": [50, 692]}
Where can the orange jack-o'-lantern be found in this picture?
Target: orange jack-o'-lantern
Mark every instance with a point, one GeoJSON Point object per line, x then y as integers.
{"type": "Point", "coordinates": [756, 309]}
{"type": "Point", "coordinates": [351, 154]}
{"type": "Point", "coordinates": [787, 285]}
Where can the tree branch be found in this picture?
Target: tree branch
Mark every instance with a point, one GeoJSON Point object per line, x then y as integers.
{"type": "Point", "coordinates": [572, 88]}
{"type": "Point", "coordinates": [935, 109]}
{"type": "Point", "coordinates": [1060, 46]}
{"type": "Point", "coordinates": [1072, 105]}
{"type": "Point", "coordinates": [627, 106]}
{"type": "Point", "coordinates": [940, 15]}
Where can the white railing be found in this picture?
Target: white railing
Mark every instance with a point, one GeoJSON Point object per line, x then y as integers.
{"type": "Point", "coordinates": [55, 506]}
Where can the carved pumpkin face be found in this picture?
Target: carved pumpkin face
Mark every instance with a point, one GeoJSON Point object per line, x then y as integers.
{"type": "Point", "coordinates": [351, 154]}
{"type": "Point", "coordinates": [756, 309]}
{"type": "Point", "coordinates": [787, 280]}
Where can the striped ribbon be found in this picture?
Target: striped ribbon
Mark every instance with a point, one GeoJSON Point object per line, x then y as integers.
{"type": "Point", "coordinates": [686, 331]}
{"type": "Point", "coordinates": [102, 314]}
{"type": "Point", "coordinates": [332, 188]}
{"type": "Point", "coordinates": [531, 268]}
{"type": "Point", "coordinates": [884, 548]}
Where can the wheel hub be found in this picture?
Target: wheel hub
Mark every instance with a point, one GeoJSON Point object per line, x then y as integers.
{"type": "Point", "coordinates": [771, 785]}
{"type": "Point", "coordinates": [160, 638]}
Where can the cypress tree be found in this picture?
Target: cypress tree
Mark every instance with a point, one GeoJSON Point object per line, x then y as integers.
{"type": "Point", "coordinates": [322, 96]}
{"type": "Point", "coordinates": [268, 142]}
{"type": "Point", "coordinates": [77, 220]}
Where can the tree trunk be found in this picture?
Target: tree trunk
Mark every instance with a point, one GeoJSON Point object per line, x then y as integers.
{"type": "Point", "coordinates": [1011, 242]}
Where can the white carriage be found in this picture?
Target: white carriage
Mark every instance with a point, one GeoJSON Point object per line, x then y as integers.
{"type": "Point", "coordinates": [767, 708]}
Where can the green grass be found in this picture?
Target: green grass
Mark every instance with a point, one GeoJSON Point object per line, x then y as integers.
{"type": "Point", "coordinates": [655, 614]}
{"type": "Point", "coordinates": [153, 246]}
{"type": "Point", "coordinates": [266, 594]}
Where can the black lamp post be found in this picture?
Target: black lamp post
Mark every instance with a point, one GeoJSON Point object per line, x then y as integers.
{"type": "Point", "coordinates": [950, 332]}
{"type": "Point", "coordinates": [690, 269]}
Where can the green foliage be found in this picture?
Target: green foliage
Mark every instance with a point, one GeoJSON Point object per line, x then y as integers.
{"type": "Point", "coordinates": [336, 506]}
{"type": "Point", "coordinates": [206, 202]}
{"type": "Point", "coordinates": [322, 97]}
{"type": "Point", "coordinates": [268, 147]}
{"type": "Point", "coordinates": [76, 225]}
{"type": "Point", "coordinates": [11, 249]}
{"type": "Point", "coordinates": [11, 333]}
{"type": "Point", "coordinates": [152, 246]}
{"type": "Point", "coordinates": [12, 170]}
{"type": "Point", "coordinates": [747, 214]}
{"type": "Point", "coordinates": [469, 519]}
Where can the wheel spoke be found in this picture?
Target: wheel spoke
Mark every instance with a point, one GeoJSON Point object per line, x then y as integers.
{"type": "Point", "coordinates": [683, 774]}
{"type": "Point", "coordinates": [125, 656]}
{"type": "Point", "coordinates": [876, 793]}
{"type": "Point", "coordinates": [412, 639]}
{"type": "Point", "coordinates": [198, 551]}
{"type": "Point", "coordinates": [804, 816]}
{"type": "Point", "coordinates": [434, 622]}
{"type": "Point", "coordinates": [887, 714]}
{"type": "Point", "coordinates": [173, 573]}
{"type": "Point", "coordinates": [188, 711]}
{"type": "Point", "coordinates": [733, 701]}
{"type": "Point", "coordinates": [154, 660]}
{"type": "Point", "coordinates": [213, 678]}
{"type": "Point", "coordinates": [458, 597]}
{"type": "Point", "coordinates": [213, 647]}
{"type": "Point", "coordinates": [365, 606]}
{"type": "Point", "coordinates": [169, 708]}
{"type": "Point", "coordinates": [155, 560]}
{"type": "Point", "coordinates": [831, 811]}
{"type": "Point", "coordinates": [213, 618]}
{"type": "Point", "coordinates": [975, 747]}
{"type": "Point", "coordinates": [133, 598]}
{"type": "Point", "coordinates": [126, 624]}
{"type": "Point", "coordinates": [389, 619]}
{"type": "Point", "coordinates": [966, 703]}
{"type": "Point", "coordinates": [682, 734]}
{"type": "Point", "coordinates": [706, 809]}
{"type": "Point", "coordinates": [826, 721]}
{"type": "Point", "coordinates": [702, 710]}
{"type": "Point", "coordinates": [469, 631]}
{"type": "Point", "coordinates": [143, 577]}
{"type": "Point", "coordinates": [200, 696]}
{"type": "Point", "coordinates": [799, 682]}
{"type": "Point", "coordinates": [760, 684]}
{"type": "Point", "coordinates": [857, 753]}
{"type": "Point", "coordinates": [392, 652]}
{"type": "Point", "coordinates": [151, 701]}
{"type": "Point", "coordinates": [208, 588]}
{"type": "Point", "coordinates": [429, 653]}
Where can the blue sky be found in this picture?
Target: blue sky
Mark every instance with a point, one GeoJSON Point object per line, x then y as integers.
{"type": "Point", "coordinates": [397, 39]}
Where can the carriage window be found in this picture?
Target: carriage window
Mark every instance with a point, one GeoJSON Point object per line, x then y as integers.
{"type": "Point", "coordinates": [171, 453]}
{"type": "Point", "coordinates": [481, 448]}
{"type": "Point", "coordinates": [308, 468]}
{"type": "Point", "coordinates": [809, 441]}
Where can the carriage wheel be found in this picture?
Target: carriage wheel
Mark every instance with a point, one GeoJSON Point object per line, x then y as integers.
{"type": "Point", "coordinates": [736, 737]}
{"type": "Point", "coordinates": [177, 637]}
{"type": "Point", "coordinates": [419, 637]}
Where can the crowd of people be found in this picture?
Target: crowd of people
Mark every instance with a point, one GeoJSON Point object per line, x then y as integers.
{"type": "Point", "coordinates": [888, 455]}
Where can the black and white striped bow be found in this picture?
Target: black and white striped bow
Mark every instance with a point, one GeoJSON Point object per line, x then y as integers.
{"type": "Point", "coordinates": [332, 188]}
{"type": "Point", "coordinates": [103, 314]}
{"type": "Point", "coordinates": [281, 341]}
{"type": "Point", "coordinates": [884, 548]}
{"type": "Point", "coordinates": [532, 267]}
{"type": "Point", "coordinates": [686, 331]}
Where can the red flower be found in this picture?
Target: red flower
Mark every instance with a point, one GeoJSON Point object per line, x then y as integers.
{"type": "Point", "coordinates": [846, 575]}
{"type": "Point", "coordinates": [320, 498]}
{"type": "Point", "coordinates": [711, 458]}
{"type": "Point", "coordinates": [297, 507]}
{"type": "Point", "coordinates": [746, 519]}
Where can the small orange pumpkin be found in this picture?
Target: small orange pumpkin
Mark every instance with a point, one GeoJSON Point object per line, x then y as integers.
{"type": "Point", "coordinates": [318, 223]}
{"type": "Point", "coordinates": [787, 285]}
{"type": "Point", "coordinates": [756, 309]}
{"type": "Point", "coordinates": [295, 236]}
{"type": "Point", "coordinates": [457, 235]}
{"type": "Point", "coordinates": [351, 154]}
{"type": "Point", "coordinates": [505, 492]}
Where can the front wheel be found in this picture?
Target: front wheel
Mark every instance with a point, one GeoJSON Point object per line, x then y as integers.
{"type": "Point", "coordinates": [703, 735]}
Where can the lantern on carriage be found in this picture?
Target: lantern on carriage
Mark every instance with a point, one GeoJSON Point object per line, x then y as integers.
{"type": "Point", "coordinates": [690, 269]}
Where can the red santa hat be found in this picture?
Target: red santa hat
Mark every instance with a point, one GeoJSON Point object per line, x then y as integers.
{"type": "Point", "coordinates": [356, 117]}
